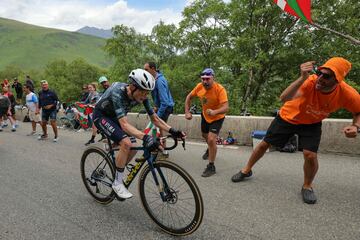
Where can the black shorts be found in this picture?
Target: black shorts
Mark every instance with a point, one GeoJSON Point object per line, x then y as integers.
{"type": "Point", "coordinates": [280, 131]}
{"type": "Point", "coordinates": [213, 127]}
{"type": "Point", "coordinates": [110, 127]}
{"type": "Point", "coordinates": [3, 112]}
{"type": "Point", "coordinates": [46, 114]}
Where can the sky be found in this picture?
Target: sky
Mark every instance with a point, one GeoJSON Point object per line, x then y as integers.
{"type": "Point", "coordinates": [72, 15]}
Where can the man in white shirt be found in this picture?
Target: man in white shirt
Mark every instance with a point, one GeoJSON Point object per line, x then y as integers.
{"type": "Point", "coordinates": [32, 103]}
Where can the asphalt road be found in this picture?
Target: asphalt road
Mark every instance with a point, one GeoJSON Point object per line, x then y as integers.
{"type": "Point", "coordinates": [42, 195]}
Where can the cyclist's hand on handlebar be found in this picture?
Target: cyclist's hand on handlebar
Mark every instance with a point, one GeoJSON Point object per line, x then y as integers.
{"type": "Point", "coordinates": [150, 143]}
{"type": "Point", "coordinates": [177, 133]}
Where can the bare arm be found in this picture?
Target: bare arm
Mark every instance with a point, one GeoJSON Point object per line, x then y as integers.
{"type": "Point", "coordinates": [188, 114]}
{"type": "Point", "coordinates": [290, 92]}
{"type": "Point", "coordinates": [130, 129]}
{"type": "Point", "coordinates": [187, 103]}
{"type": "Point", "coordinates": [159, 122]}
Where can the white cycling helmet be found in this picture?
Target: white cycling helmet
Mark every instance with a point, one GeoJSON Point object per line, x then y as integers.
{"type": "Point", "coordinates": [142, 79]}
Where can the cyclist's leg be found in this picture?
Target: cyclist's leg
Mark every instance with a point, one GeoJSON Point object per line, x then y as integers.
{"type": "Point", "coordinates": [111, 128]}
{"type": "Point", "coordinates": [132, 153]}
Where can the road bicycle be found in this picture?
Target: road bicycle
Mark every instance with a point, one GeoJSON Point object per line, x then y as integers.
{"type": "Point", "coordinates": [167, 192]}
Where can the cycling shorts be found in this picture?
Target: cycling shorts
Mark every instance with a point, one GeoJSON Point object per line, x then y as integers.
{"type": "Point", "coordinates": [110, 127]}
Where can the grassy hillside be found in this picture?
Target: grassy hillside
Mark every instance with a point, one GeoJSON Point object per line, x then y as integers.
{"type": "Point", "coordinates": [31, 47]}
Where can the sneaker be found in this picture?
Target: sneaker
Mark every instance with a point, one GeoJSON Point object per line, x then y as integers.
{"type": "Point", "coordinates": [209, 171]}
{"type": "Point", "coordinates": [240, 176]}
{"type": "Point", "coordinates": [308, 195]}
{"type": "Point", "coordinates": [90, 142]}
{"type": "Point", "coordinates": [121, 191]}
{"type": "Point", "coordinates": [1, 129]}
{"type": "Point", "coordinates": [55, 139]}
{"type": "Point", "coordinates": [206, 155]}
{"type": "Point", "coordinates": [43, 137]}
{"type": "Point", "coordinates": [13, 129]}
{"type": "Point", "coordinates": [31, 134]}
{"type": "Point", "coordinates": [4, 125]}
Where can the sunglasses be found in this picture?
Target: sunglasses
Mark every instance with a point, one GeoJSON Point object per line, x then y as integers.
{"type": "Point", "coordinates": [206, 74]}
{"type": "Point", "coordinates": [320, 73]}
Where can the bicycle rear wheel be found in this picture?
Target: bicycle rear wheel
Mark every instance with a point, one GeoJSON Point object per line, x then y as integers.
{"type": "Point", "coordinates": [182, 211]}
{"type": "Point", "coordinates": [98, 173]}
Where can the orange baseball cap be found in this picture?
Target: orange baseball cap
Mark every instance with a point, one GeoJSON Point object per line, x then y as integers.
{"type": "Point", "coordinates": [340, 66]}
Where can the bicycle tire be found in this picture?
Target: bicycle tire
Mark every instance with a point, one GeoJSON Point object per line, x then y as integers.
{"type": "Point", "coordinates": [196, 217]}
{"type": "Point", "coordinates": [100, 178]}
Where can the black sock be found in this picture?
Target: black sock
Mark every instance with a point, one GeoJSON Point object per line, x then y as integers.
{"type": "Point", "coordinates": [211, 163]}
{"type": "Point", "coordinates": [92, 138]}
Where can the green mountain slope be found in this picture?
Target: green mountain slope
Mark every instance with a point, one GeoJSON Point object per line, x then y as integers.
{"type": "Point", "coordinates": [32, 47]}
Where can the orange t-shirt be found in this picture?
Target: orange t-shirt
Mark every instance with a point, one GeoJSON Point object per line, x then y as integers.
{"type": "Point", "coordinates": [312, 106]}
{"type": "Point", "coordinates": [211, 98]}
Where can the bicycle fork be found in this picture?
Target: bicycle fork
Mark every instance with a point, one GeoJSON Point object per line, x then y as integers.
{"type": "Point", "coordinates": [162, 185]}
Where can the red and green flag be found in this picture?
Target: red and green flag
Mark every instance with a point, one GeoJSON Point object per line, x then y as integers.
{"type": "Point", "coordinates": [84, 111]}
{"type": "Point", "coordinates": [298, 8]}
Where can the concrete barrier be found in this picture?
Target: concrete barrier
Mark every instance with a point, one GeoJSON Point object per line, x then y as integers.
{"type": "Point", "coordinates": [332, 140]}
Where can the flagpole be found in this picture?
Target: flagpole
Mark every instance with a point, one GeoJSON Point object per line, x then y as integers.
{"type": "Point", "coordinates": [350, 38]}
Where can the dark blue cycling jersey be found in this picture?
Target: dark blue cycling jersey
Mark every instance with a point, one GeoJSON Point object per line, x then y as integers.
{"type": "Point", "coordinates": [115, 103]}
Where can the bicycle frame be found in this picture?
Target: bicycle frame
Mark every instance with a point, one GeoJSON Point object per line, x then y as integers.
{"type": "Point", "coordinates": [150, 158]}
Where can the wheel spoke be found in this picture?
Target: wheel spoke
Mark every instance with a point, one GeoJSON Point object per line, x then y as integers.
{"type": "Point", "coordinates": [182, 206]}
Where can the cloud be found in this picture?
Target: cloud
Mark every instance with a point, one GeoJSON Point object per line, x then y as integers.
{"type": "Point", "coordinates": [73, 14]}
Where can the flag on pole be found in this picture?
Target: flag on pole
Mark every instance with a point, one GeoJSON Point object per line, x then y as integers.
{"type": "Point", "coordinates": [298, 8]}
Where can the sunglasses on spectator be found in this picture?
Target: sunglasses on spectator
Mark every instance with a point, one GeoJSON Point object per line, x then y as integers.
{"type": "Point", "coordinates": [323, 75]}
{"type": "Point", "coordinates": [320, 73]}
{"type": "Point", "coordinates": [206, 74]}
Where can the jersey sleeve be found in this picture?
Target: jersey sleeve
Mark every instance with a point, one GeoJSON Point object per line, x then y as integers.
{"type": "Point", "coordinates": [34, 99]}
{"type": "Point", "coordinates": [308, 84]}
{"type": "Point", "coordinates": [119, 108]}
{"type": "Point", "coordinates": [351, 100]}
{"type": "Point", "coordinates": [223, 96]}
{"type": "Point", "coordinates": [196, 89]}
{"type": "Point", "coordinates": [148, 108]}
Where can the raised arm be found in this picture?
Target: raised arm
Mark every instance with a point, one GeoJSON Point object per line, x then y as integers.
{"type": "Point", "coordinates": [290, 92]}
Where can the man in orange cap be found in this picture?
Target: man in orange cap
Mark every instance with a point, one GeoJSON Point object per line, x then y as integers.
{"type": "Point", "coordinates": [307, 101]}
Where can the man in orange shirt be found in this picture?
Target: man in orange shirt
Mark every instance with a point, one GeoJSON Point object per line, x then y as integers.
{"type": "Point", "coordinates": [214, 103]}
{"type": "Point", "coordinates": [307, 101]}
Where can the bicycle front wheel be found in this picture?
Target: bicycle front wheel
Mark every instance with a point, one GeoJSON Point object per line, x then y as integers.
{"type": "Point", "coordinates": [181, 210]}
{"type": "Point", "coordinates": [98, 173]}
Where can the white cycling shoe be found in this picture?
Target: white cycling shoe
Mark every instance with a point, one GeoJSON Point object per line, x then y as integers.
{"type": "Point", "coordinates": [121, 191]}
